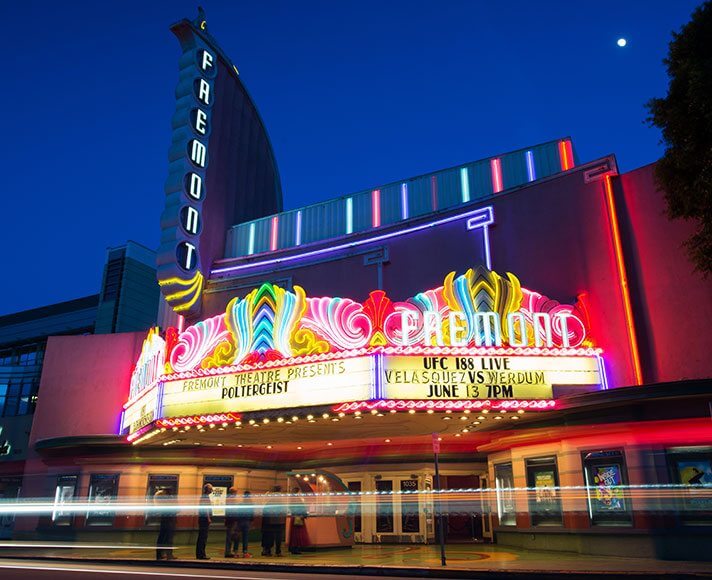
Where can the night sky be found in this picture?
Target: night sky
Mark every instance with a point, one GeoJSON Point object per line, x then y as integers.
{"type": "Point", "coordinates": [354, 94]}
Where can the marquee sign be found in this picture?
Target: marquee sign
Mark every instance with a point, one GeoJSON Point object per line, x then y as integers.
{"type": "Point", "coordinates": [479, 336]}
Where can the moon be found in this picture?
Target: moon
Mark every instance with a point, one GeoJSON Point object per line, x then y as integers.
{"type": "Point", "coordinates": [622, 42]}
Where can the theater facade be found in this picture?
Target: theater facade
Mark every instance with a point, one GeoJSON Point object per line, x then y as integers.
{"type": "Point", "coordinates": [530, 316]}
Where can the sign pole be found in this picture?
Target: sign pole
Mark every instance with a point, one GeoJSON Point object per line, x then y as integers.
{"type": "Point", "coordinates": [438, 503]}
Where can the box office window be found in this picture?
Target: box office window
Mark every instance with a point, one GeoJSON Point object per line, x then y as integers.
{"type": "Point", "coordinates": [64, 493]}
{"type": "Point", "coordinates": [692, 470]}
{"type": "Point", "coordinates": [220, 483]}
{"type": "Point", "coordinates": [384, 506]}
{"type": "Point", "coordinates": [544, 495]}
{"type": "Point", "coordinates": [168, 483]}
{"type": "Point", "coordinates": [103, 490]}
{"type": "Point", "coordinates": [355, 504]}
{"type": "Point", "coordinates": [504, 484]}
{"type": "Point", "coordinates": [606, 479]}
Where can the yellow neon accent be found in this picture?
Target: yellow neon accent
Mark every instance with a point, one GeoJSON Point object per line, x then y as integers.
{"type": "Point", "coordinates": [183, 293]}
{"type": "Point", "coordinates": [202, 25]}
{"type": "Point", "coordinates": [378, 339]}
{"type": "Point", "coordinates": [180, 281]}
{"type": "Point", "coordinates": [192, 301]}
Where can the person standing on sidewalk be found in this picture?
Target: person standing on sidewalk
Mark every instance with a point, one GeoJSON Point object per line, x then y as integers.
{"type": "Point", "coordinates": [274, 521]}
{"type": "Point", "coordinates": [204, 519]}
{"type": "Point", "coordinates": [244, 516]}
{"type": "Point", "coordinates": [167, 526]}
{"type": "Point", "coordinates": [231, 538]}
{"type": "Point", "coordinates": [298, 537]}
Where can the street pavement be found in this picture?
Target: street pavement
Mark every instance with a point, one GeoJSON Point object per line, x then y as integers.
{"type": "Point", "coordinates": [463, 561]}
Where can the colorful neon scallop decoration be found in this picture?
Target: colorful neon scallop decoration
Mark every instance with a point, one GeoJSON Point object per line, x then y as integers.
{"type": "Point", "coordinates": [197, 342]}
{"type": "Point", "coordinates": [341, 321]}
{"type": "Point", "coordinates": [492, 312]}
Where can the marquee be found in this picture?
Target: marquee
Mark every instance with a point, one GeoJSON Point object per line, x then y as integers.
{"type": "Point", "coordinates": [480, 336]}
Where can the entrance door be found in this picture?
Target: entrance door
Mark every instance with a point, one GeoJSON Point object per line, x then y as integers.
{"type": "Point", "coordinates": [464, 511]}
{"type": "Point", "coordinates": [399, 515]}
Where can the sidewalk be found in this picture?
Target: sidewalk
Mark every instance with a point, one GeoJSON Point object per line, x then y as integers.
{"type": "Point", "coordinates": [388, 560]}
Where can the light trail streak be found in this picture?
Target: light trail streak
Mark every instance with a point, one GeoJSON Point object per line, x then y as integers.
{"type": "Point", "coordinates": [663, 497]}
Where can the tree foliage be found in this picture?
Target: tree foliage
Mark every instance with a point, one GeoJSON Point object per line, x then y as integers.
{"type": "Point", "coordinates": [684, 172]}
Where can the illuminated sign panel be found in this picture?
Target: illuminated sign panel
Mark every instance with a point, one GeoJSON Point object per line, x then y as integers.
{"type": "Point", "coordinates": [141, 412]}
{"type": "Point", "coordinates": [480, 337]}
{"type": "Point", "coordinates": [483, 377]}
{"type": "Point", "coordinates": [284, 387]}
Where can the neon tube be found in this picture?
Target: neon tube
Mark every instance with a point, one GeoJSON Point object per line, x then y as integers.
{"type": "Point", "coordinates": [531, 171]}
{"type": "Point", "coordinates": [480, 217]}
{"type": "Point", "coordinates": [496, 170]}
{"type": "Point", "coordinates": [465, 184]}
{"type": "Point", "coordinates": [623, 280]}
{"type": "Point", "coordinates": [349, 215]}
{"type": "Point", "coordinates": [251, 241]}
{"type": "Point", "coordinates": [376, 208]}
{"type": "Point", "coordinates": [404, 201]}
{"type": "Point", "coordinates": [273, 233]}
{"type": "Point", "coordinates": [298, 233]}
{"type": "Point", "coordinates": [566, 155]}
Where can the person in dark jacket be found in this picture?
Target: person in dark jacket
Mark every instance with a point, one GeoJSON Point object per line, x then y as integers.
{"type": "Point", "coordinates": [245, 514]}
{"type": "Point", "coordinates": [274, 521]}
{"type": "Point", "coordinates": [231, 537]}
{"type": "Point", "coordinates": [204, 519]}
{"type": "Point", "coordinates": [164, 543]}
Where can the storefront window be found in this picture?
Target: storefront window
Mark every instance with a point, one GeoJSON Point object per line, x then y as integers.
{"type": "Point", "coordinates": [156, 482]}
{"type": "Point", "coordinates": [410, 514]}
{"type": "Point", "coordinates": [544, 499]}
{"type": "Point", "coordinates": [504, 483]}
{"type": "Point", "coordinates": [605, 475]}
{"type": "Point", "coordinates": [220, 483]}
{"type": "Point", "coordinates": [384, 507]}
{"type": "Point", "coordinates": [355, 506]}
{"type": "Point", "coordinates": [692, 469]}
{"type": "Point", "coordinates": [103, 489]}
{"type": "Point", "coordinates": [64, 493]}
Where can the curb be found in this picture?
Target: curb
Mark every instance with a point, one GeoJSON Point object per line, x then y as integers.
{"type": "Point", "coordinates": [396, 572]}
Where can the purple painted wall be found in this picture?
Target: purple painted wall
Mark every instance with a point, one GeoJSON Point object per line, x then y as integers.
{"type": "Point", "coordinates": [85, 382]}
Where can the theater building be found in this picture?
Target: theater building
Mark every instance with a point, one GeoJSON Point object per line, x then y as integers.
{"type": "Point", "coordinates": [531, 316]}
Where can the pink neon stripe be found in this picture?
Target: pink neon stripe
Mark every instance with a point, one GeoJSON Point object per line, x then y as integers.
{"type": "Point", "coordinates": [496, 168]}
{"type": "Point", "coordinates": [273, 234]}
{"type": "Point", "coordinates": [376, 207]}
{"type": "Point", "coordinates": [434, 191]}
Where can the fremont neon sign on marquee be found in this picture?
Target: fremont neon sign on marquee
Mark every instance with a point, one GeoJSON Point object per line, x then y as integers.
{"type": "Point", "coordinates": [479, 340]}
